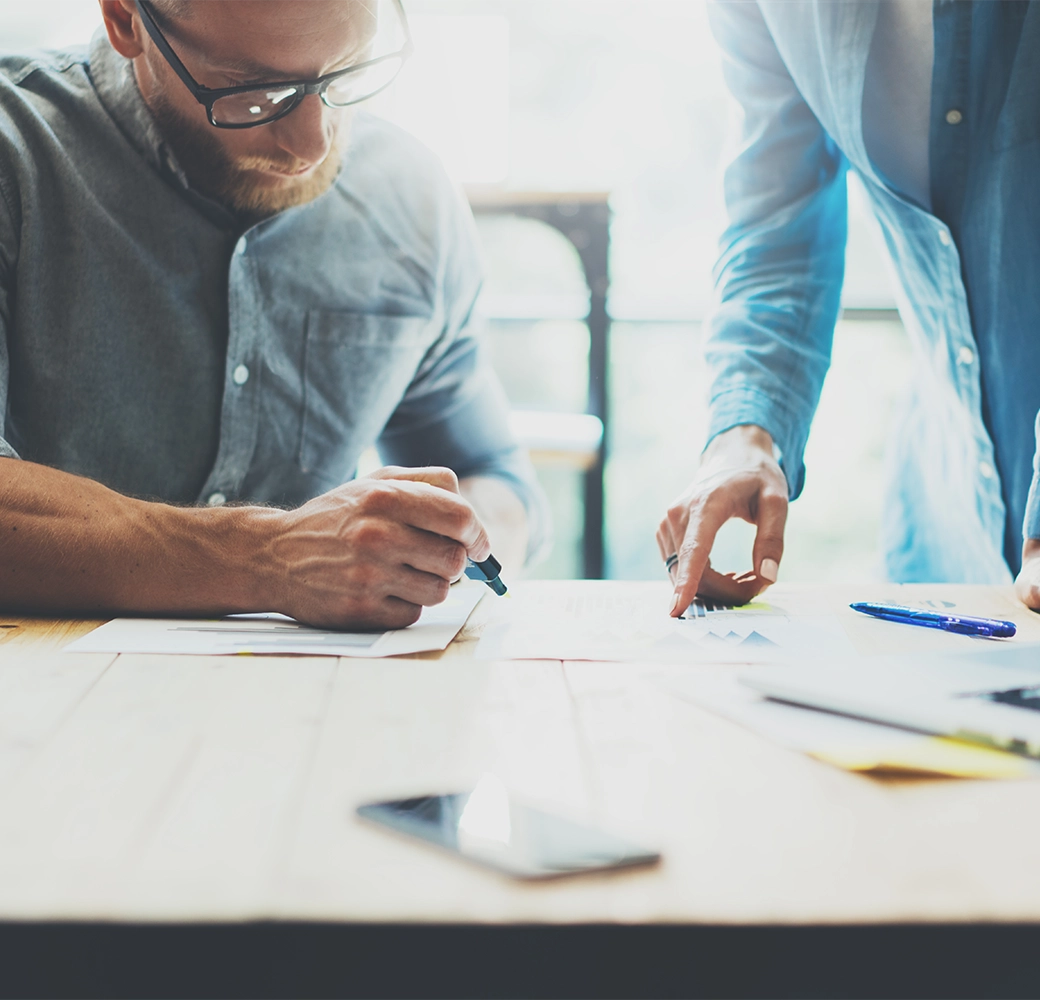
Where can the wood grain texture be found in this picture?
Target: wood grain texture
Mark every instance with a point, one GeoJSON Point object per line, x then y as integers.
{"type": "Point", "coordinates": [42, 633]}
{"type": "Point", "coordinates": [209, 788]}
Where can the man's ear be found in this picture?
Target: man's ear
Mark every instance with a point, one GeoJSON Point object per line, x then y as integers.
{"type": "Point", "coordinates": [121, 27]}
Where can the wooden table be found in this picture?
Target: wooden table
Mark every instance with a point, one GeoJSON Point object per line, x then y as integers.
{"type": "Point", "coordinates": [184, 825]}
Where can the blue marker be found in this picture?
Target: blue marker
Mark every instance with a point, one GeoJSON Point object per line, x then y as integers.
{"type": "Point", "coordinates": [992, 628]}
{"type": "Point", "coordinates": [489, 571]}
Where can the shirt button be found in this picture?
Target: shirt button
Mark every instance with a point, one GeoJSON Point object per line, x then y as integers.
{"type": "Point", "coordinates": [965, 356]}
{"type": "Point", "coordinates": [240, 246]}
{"type": "Point", "coordinates": [954, 117]}
{"type": "Point", "coordinates": [216, 500]}
{"type": "Point", "coordinates": [945, 238]}
{"type": "Point", "coordinates": [986, 470]}
{"type": "Point", "coordinates": [240, 375]}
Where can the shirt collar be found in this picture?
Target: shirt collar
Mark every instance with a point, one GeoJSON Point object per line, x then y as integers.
{"type": "Point", "coordinates": [116, 85]}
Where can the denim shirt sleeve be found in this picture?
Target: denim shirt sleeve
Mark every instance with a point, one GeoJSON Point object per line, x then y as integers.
{"type": "Point", "coordinates": [1031, 522]}
{"type": "Point", "coordinates": [781, 262]}
{"type": "Point", "coordinates": [455, 412]}
{"type": "Point", "coordinates": [7, 259]}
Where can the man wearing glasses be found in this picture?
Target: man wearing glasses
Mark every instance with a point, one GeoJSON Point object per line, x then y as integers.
{"type": "Point", "coordinates": [218, 286]}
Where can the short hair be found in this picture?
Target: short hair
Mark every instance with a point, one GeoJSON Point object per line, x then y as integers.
{"type": "Point", "coordinates": [170, 10]}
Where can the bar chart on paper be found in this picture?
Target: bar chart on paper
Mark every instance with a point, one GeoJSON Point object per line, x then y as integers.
{"type": "Point", "coordinates": [615, 623]}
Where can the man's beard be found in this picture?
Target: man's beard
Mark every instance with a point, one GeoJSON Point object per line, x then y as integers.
{"type": "Point", "coordinates": [232, 181]}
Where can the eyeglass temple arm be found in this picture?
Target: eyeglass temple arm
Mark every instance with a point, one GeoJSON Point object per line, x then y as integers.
{"type": "Point", "coordinates": [198, 91]}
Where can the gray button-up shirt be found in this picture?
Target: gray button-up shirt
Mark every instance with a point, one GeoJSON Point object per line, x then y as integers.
{"type": "Point", "coordinates": [150, 341]}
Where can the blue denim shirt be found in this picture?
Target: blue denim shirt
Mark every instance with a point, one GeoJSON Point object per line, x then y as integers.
{"type": "Point", "coordinates": [151, 341]}
{"type": "Point", "coordinates": [961, 459]}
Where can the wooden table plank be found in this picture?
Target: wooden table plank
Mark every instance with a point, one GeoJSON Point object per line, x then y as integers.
{"type": "Point", "coordinates": [220, 841]}
{"type": "Point", "coordinates": [38, 693]}
{"type": "Point", "coordinates": [414, 727]}
{"type": "Point", "coordinates": [166, 791]}
{"type": "Point", "coordinates": [41, 633]}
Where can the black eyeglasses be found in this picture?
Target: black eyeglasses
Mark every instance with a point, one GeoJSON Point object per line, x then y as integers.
{"type": "Point", "coordinates": [258, 104]}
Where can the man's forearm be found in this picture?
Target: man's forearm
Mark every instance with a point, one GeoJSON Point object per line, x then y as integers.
{"type": "Point", "coordinates": [70, 544]}
{"type": "Point", "coordinates": [503, 514]}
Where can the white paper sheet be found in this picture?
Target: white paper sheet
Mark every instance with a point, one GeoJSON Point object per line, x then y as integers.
{"type": "Point", "coordinates": [852, 744]}
{"type": "Point", "coordinates": [790, 726]}
{"type": "Point", "coordinates": [272, 633]}
{"type": "Point", "coordinates": [615, 622]}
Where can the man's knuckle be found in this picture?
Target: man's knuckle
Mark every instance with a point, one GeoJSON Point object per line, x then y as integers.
{"type": "Point", "coordinates": [398, 614]}
{"type": "Point", "coordinates": [378, 498]}
{"type": "Point", "coordinates": [460, 517]}
{"type": "Point", "coordinates": [369, 533]}
{"type": "Point", "coordinates": [445, 474]}
{"type": "Point", "coordinates": [688, 549]}
{"type": "Point", "coordinates": [677, 518]}
{"type": "Point", "coordinates": [456, 559]}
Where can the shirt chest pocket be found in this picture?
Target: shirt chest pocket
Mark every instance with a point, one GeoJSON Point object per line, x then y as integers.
{"type": "Point", "coordinates": [356, 369]}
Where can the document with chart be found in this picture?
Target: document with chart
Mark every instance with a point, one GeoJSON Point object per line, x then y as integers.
{"type": "Point", "coordinates": [273, 633]}
{"type": "Point", "coordinates": [614, 621]}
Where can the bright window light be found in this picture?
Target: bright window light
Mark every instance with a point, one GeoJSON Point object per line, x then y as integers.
{"type": "Point", "coordinates": [453, 94]}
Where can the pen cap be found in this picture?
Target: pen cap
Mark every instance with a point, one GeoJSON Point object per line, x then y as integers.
{"type": "Point", "coordinates": [490, 567]}
{"type": "Point", "coordinates": [487, 571]}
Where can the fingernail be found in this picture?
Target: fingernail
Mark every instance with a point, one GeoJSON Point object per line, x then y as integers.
{"type": "Point", "coordinates": [769, 570]}
{"type": "Point", "coordinates": [675, 604]}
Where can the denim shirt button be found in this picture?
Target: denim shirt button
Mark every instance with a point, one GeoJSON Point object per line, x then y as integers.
{"type": "Point", "coordinates": [216, 499]}
{"type": "Point", "coordinates": [240, 375]}
{"type": "Point", "coordinates": [965, 356]}
{"type": "Point", "coordinates": [240, 246]}
{"type": "Point", "coordinates": [986, 470]}
{"type": "Point", "coordinates": [945, 238]}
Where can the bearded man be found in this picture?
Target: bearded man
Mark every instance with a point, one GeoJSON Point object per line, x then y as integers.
{"type": "Point", "coordinates": [218, 286]}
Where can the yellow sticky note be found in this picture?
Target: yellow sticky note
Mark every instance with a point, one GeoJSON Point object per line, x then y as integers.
{"type": "Point", "coordinates": [931, 755]}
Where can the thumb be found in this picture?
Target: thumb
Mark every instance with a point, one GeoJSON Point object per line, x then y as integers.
{"type": "Point", "coordinates": [769, 539]}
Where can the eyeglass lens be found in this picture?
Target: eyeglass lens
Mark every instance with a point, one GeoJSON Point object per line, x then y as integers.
{"type": "Point", "coordinates": [382, 35]}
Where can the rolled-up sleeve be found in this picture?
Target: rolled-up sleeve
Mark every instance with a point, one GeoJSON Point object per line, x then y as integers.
{"type": "Point", "coordinates": [781, 262]}
{"type": "Point", "coordinates": [7, 268]}
{"type": "Point", "coordinates": [1031, 522]}
{"type": "Point", "coordinates": [455, 412]}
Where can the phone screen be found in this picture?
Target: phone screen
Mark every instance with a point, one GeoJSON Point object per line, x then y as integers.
{"type": "Point", "coordinates": [486, 826]}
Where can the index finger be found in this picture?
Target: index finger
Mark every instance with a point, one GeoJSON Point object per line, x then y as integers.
{"type": "Point", "coordinates": [693, 556]}
{"type": "Point", "coordinates": [435, 475]}
{"type": "Point", "coordinates": [430, 508]}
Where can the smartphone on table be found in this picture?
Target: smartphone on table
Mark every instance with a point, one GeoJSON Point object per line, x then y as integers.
{"type": "Point", "coordinates": [488, 827]}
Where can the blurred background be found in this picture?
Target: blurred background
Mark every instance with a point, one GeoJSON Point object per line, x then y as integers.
{"type": "Point", "coordinates": [589, 135]}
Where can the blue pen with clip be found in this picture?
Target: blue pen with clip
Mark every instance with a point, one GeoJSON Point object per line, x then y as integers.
{"type": "Point", "coordinates": [991, 628]}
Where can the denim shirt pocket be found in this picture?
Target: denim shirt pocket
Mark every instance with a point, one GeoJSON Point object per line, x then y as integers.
{"type": "Point", "coordinates": [356, 369]}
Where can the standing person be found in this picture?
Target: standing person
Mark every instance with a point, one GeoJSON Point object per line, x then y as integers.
{"type": "Point", "coordinates": [936, 107]}
{"type": "Point", "coordinates": [219, 285]}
